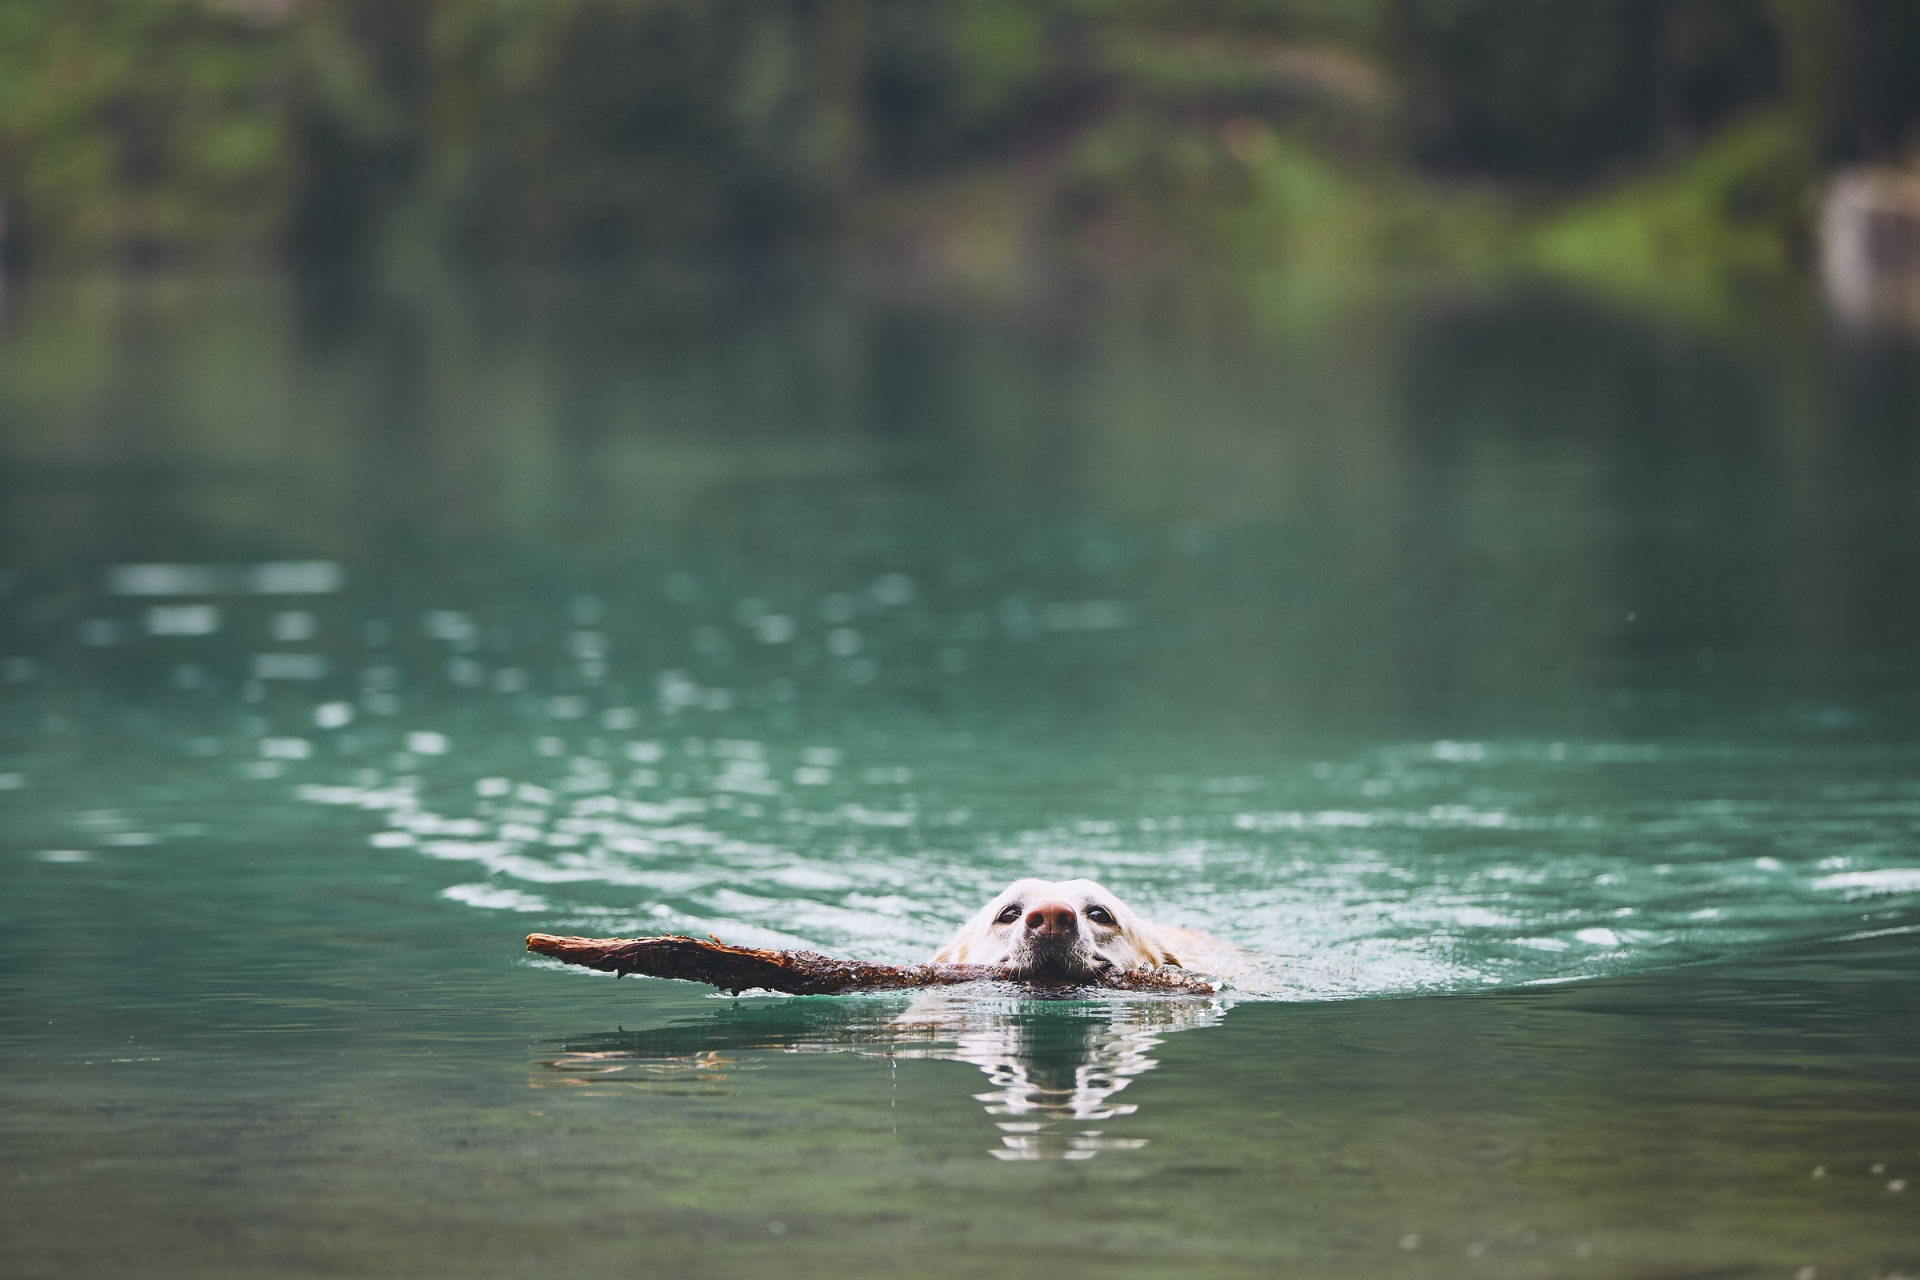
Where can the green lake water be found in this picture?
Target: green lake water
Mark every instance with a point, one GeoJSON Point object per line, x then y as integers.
{"type": "Point", "coordinates": [1531, 690]}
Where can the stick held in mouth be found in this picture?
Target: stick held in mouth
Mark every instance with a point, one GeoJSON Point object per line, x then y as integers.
{"type": "Point", "coordinates": [807, 973]}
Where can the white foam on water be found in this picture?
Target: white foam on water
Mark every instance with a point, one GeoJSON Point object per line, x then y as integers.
{"type": "Point", "coordinates": [1864, 884]}
{"type": "Point", "coordinates": [493, 898]}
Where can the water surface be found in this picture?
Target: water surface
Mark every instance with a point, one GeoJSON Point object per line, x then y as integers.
{"type": "Point", "coordinates": [1530, 689]}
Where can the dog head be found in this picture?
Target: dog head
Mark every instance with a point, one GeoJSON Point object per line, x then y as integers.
{"type": "Point", "coordinates": [1064, 931]}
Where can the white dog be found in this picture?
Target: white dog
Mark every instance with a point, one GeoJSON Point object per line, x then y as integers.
{"type": "Point", "coordinates": [1067, 931]}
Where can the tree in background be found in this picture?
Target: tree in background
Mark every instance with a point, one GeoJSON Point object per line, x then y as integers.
{"type": "Point", "coordinates": [139, 130]}
{"type": "Point", "coordinates": [571, 130]}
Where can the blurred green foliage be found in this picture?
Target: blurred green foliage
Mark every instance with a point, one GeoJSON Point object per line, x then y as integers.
{"type": "Point", "coordinates": [1614, 140]}
{"type": "Point", "coordinates": [1694, 234]}
{"type": "Point", "coordinates": [138, 128]}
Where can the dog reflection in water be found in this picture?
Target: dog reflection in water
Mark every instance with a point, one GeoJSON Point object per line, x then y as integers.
{"type": "Point", "coordinates": [1055, 1067]}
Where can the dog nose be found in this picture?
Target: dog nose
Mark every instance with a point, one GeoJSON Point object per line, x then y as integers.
{"type": "Point", "coordinates": [1052, 918]}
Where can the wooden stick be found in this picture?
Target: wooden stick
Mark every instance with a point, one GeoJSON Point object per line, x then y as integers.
{"type": "Point", "coordinates": [807, 973]}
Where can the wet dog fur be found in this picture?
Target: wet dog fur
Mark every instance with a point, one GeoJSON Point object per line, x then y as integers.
{"type": "Point", "coordinates": [1066, 931]}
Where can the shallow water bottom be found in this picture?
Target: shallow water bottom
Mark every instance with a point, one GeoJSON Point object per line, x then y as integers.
{"type": "Point", "coordinates": [1752, 1119]}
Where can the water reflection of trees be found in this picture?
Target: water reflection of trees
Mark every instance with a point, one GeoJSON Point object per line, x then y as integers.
{"type": "Point", "coordinates": [614, 437]}
{"type": "Point", "coordinates": [1055, 1066]}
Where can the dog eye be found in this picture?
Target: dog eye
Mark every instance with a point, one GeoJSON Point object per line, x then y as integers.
{"type": "Point", "coordinates": [1100, 915]}
{"type": "Point", "coordinates": [1008, 914]}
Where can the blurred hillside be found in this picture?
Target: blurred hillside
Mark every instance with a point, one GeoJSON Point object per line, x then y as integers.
{"type": "Point", "coordinates": [1641, 144]}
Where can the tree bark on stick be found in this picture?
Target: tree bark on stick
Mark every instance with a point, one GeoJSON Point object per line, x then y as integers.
{"type": "Point", "coordinates": [807, 973]}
